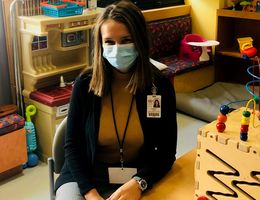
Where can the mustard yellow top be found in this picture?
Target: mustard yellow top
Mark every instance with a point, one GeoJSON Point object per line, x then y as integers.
{"type": "Point", "coordinates": [108, 147]}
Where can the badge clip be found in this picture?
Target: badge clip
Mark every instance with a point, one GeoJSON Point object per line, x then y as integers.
{"type": "Point", "coordinates": [154, 90]}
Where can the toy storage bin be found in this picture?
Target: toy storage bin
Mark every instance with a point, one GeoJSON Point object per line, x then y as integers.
{"type": "Point", "coordinates": [62, 9]}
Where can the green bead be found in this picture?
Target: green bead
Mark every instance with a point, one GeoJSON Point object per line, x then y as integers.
{"type": "Point", "coordinates": [246, 113]}
{"type": "Point", "coordinates": [256, 99]}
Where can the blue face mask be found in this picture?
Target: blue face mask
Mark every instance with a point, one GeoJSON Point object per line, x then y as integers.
{"type": "Point", "coordinates": [120, 56]}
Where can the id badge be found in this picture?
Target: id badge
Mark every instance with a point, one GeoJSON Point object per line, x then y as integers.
{"type": "Point", "coordinates": [118, 175]}
{"type": "Point", "coordinates": [153, 106]}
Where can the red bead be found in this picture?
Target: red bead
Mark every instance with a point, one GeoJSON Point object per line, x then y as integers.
{"type": "Point", "coordinates": [220, 127]}
{"type": "Point", "coordinates": [222, 118]}
{"type": "Point", "coordinates": [202, 198]}
{"type": "Point", "coordinates": [244, 128]}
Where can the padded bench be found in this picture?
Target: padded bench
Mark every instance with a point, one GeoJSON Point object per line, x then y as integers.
{"type": "Point", "coordinates": [166, 35]}
{"type": "Point", "coordinates": [205, 104]}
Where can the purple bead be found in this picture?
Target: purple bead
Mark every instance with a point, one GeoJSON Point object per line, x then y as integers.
{"type": "Point", "coordinates": [224, 109]}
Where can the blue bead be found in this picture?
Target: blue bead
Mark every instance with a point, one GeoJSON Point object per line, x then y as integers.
{"type": "Point", "coordinates": [224, 109]}
{"type": "Point", "coordinates": [244, 56]}
{"type": "Point", "coordinates": [243, 136]}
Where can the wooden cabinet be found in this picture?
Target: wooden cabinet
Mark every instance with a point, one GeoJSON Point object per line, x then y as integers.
{"type": "Point", "coordinates": [13, 152]}
{"type": "Point", "coordinates": [230, 66]}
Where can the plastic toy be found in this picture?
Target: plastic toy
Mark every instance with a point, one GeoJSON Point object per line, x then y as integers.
{"type": "Point", "coordinates": [204, 56]}
{"type": "Point", "coordinates": [62, 8]}
{"type": "Point", "coordinates": [248, 5]}
{"type": "Point", "coordinates": [195, 48]}
{"type": "Point", "coordinates": [190, 52]}
{"type": "Point", "coordinates": [30, 137]}
{"type": "Point", "coordinates": [246, 47]}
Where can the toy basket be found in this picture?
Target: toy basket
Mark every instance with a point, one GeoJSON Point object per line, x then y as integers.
{"type": "Point", "coordinates": [62, 8]}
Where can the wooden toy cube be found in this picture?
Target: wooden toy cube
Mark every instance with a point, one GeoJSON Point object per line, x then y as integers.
{"type": "Point", "coordinates": [227, 167]}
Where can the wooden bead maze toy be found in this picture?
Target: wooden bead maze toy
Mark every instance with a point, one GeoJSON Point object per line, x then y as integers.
{"type": "Point", "coordinates": [228, 153]}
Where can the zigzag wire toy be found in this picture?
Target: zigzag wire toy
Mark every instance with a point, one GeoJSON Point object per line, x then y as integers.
{"type": "Point", "coordinates": [245, 121]}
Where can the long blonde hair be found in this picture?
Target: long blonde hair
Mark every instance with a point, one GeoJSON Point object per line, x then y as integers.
{"type": "Point", "coordinates": [131, 16]}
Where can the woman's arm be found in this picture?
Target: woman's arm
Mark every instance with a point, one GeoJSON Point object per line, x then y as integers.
{"type": "Point", "coordinates": [160, 134]}
{"type": "Point", "coordinates": [75, 142]}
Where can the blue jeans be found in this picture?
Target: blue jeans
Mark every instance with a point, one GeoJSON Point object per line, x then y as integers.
{"type": "Point", "coordinates": [70, 191]}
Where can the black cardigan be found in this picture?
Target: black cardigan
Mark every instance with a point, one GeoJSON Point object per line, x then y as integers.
{"type": "Point", "coordinates": [160, 134]}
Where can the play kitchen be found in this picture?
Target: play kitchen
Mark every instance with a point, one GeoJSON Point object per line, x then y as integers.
{"type": "Point", "coordinates": [54, 50]}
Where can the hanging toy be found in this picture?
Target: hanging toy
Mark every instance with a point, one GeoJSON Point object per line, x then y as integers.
{"type": "Point", "coordinates": [30, 137]}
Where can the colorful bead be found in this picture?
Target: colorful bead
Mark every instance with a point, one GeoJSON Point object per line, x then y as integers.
{"type": "Point", "coordinates": [224, 109]}
{"type": "Point", "coordinates": [222, 118]}
{"type": "Point", "coordinates": [258, 115]}
{"type": "Point", "coordinates": [220, 127]}
{"type": "Point", "coordinates": [244, 125]}
{"type": "Point", "coordinates": [244, 128]}
{"type": "Point", "coordinates": [202, 198]}
{"type": "Point", "coordinates": [243, 136]}
{"type": "Point", "coordinates": [245, 120]}
{"type": "Point", "coordinates": [246, 113]}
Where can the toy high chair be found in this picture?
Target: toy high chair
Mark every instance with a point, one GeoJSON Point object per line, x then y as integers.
{"type": "Point", "coordinates": [204, 45]}
{"type": "Point", "coordinates": [195, 48]}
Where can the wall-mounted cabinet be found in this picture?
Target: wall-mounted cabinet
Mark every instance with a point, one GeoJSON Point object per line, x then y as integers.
{"type": "Point", "coordinates": [230, 66]}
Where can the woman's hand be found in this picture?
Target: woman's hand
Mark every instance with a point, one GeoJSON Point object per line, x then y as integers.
{"type": "Point", "coordinates": [93, 195]}
{"type": "Point", "coordinates": [128, 191]}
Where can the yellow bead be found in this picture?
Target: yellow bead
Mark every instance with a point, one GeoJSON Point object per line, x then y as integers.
{"type": "Point", "coordinates": [245, 120]}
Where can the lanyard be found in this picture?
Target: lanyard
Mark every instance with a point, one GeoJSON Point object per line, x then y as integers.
{"type": "Point", "coordinates": [121, 144]}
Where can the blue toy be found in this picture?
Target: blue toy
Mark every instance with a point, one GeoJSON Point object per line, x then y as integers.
{"type": "Point", "coordinates": [30, 137]}
{"type": "Point", "coordinates": [32, 160]}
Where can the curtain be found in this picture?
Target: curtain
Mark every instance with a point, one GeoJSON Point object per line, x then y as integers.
{"type": "Point", "coordinates": [5, 89]}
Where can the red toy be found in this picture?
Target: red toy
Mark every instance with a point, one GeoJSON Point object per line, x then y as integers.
{"type": "Point", "coordinates": [188, 52]}
{"type": "Point", "coordinates": [246, 47]}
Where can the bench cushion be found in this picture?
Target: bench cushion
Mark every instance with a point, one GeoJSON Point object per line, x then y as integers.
{"type": "Point", "coordinates": [179, 66]}
{"type": "Point", "coordinates": [166, 36]}
{"type": "Point", "coordinates": [204, 104]}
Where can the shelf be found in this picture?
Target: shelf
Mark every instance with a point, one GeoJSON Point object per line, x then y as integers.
{"type": "Point", "coordinates": [238, 14]}
{"type": "Point", "coordinates": [234, 54]}
{"type": "Point", "coordinates": [71, 47]}
{"type": "Point", "coordinates": [230, 66]}
{"type": "Point", "coordinates": [41, 24]}
{"type": "Point", "coordinates": [58, 70]}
